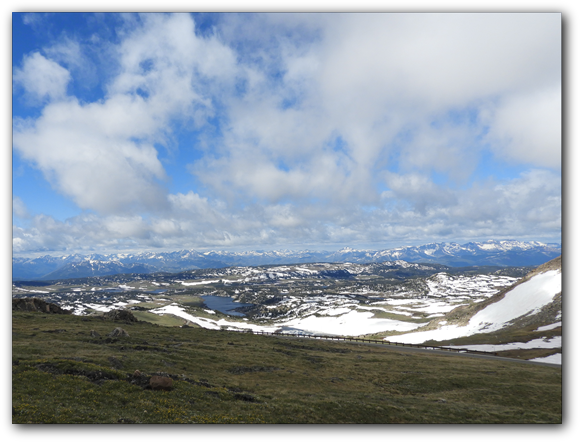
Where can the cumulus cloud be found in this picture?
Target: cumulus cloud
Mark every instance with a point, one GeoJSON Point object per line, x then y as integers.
{"type": "Point", "coordinates": [86, 153]}
{"type": "Point", "coordinates": [19, 208]}
{"type": "Point", "coordinates": [527, 206]}
{"type": "Point", "coordinates": [41, 78]}
{"type": "Point", "coordinates": [313, 128]}
{"type": "Point", "coordinates": [102, 154]}
{"type": "Point", "coordinates": [374, 80]}
{"type": "Point", "coordinates": [73, 55]}
{"type": "Point", "coordinates": [527, 128]}
{"type": "Point", "coordinates": [418, 190]}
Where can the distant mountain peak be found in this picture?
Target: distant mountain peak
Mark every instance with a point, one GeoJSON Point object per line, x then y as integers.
{"type": "Point", "coordinates": [490, 252]}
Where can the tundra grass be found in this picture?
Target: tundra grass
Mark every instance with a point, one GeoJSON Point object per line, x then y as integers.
{"type": "Point", "coordinates": [63, 374]}
{"type": "Point", "coordinates": [167, 320]}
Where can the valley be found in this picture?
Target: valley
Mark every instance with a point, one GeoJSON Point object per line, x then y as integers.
{"type": "Point", "coordinates": [396, 301]}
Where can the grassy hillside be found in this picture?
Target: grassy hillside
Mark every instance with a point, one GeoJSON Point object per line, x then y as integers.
{"type": "Point", "coordinates": [63, 374]}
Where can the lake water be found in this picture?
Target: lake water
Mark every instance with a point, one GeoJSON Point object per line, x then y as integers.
{"type": "Point", "coordinates": [223, 304]}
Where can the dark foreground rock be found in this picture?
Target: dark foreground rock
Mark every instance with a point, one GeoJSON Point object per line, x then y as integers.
{"type": "Point", "coordinates": [120, 315]}
{"type": "Point", "coordinates": [37, 305]}
{"type": "Point", "coordinates": [118, 332]}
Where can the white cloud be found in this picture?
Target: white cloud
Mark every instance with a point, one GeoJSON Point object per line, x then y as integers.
{"type": "Point", "coordinates": [418, 190]}
{"type": "Point", "coordinates": [87, 154]}
{"type": "Point", "coordinates": [315, 114]}
{"type": "Point", "coordinates": [34, 19]}
{"type": "Point", "coordinates": [372, 78]}
{"type": "Point", "coordinates": [527, 128]}
{"type": "Point", "coordinates": [102, 154]}
{"type": "Point", "coordinates": [527, 205]}
{"type": "Point", "coordinates": [415, 210]}
{"type": "Point", "coordinates": [19, 208]}
{"type": "Point", "coordinates": [71, 54]}
{"type": "Point", "coordinates": [41, 78]}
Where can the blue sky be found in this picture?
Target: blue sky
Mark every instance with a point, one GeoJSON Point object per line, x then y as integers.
{"type": "Point", "coordinates": [268, 131]}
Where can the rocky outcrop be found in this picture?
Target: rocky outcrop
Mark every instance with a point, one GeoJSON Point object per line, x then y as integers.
{"type": "Point", "coordinates": [118, 333]}
{"type": "Point", "coordinates": [37, 305]}
{"type": "Point", "coordinates": [120, 315]}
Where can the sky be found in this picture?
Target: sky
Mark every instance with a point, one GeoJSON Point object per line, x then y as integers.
{"type": "Point", "coordinates": [136, 132]}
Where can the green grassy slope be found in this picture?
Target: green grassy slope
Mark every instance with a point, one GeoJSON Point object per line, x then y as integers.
{"type": "Point", "coordinates": [61, 374]}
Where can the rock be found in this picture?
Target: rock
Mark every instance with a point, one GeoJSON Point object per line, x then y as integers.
{"type": "Point", "coordinates": [120, 315]}
{"type": "Point", "coordinates": [161, 383]}
{"type": "Point", "coordinates": [38, 305]}
{"type": "Point", "coordinates": [140, 379]}
{"type": "Point", "coordinates": [94, 334]}
{"type": "Point", "coordinates": [118, 332]}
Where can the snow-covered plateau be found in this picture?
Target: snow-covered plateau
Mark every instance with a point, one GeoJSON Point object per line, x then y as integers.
{"type": "Point", "coordinates": [397, 301]}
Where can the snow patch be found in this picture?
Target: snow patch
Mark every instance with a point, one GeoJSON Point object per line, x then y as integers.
{"type": "Point", "coordinates": [353, 323]}
{"type": "Point", "coordinates": [526, 298]}
{"type": "Point", "coordinates": [200, 282]}
{"type": "Point", "coordinates": [550, 327]}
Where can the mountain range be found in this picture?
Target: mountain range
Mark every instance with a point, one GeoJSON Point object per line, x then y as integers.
{"type": "Point", "coordinates": [495, 253]}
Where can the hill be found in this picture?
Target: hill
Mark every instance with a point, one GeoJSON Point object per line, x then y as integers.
{"type": "Point", "coordinates": [70, 369]}
{"type": "Point", "coordinates": [530, 310]}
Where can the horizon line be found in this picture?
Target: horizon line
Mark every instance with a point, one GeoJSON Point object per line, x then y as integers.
{"type": "Point", "coordinates": [241, 249]}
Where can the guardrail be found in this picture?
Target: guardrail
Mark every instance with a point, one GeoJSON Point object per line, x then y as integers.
{"type": "Point", "coordinates": [371, 341]}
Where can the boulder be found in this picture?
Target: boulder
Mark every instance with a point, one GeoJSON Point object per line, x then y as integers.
{"type": "Point", "coordinates": [38, 305]}
{"type": "Point", "coordinates": [161, 383]}
{"type": "Point", "coordinates": [120, 315]}
{"type": "Point", "coordinates": [118, 333]}
{"type": "Point", "coordinates": [139, 379]}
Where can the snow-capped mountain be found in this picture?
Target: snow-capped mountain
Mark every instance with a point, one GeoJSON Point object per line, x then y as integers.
{"type": "Point", "coordinates": [497, 253]}
{"type": "Point", "coordinates": [90, 267]}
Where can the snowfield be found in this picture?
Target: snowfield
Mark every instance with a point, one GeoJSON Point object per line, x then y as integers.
{"type": "Point", "coordinates": [525, 299]}
{"type": "Point", "coordinates": [443, 284]}
{"type": "Point", "coordinates": [552, 359]}
{"type": "Point", "coordinates": [555, 342]}
{"type": "Point", "coordinates": [215, 281]}
{"type": "Point", "coordinates": [212, 324]}
{"type": "Point", "coordinates": [353, 323]}
{"type": "Point", "coordinates": [334, 299]}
